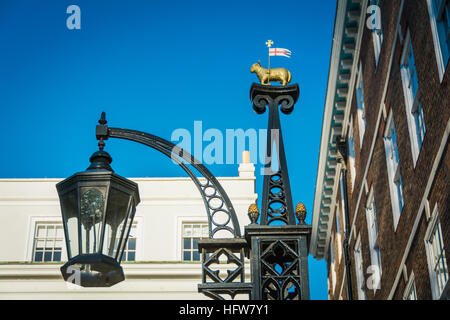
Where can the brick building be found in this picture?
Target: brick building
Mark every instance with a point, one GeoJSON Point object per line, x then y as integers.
{"type": "Point", "coordinates": [381, 207]}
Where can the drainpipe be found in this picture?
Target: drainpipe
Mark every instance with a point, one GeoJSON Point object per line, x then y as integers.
{"type": "Point", "coordinates": [342, 158]}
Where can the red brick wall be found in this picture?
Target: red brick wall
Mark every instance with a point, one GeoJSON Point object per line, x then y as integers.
{"type": "Point", "coordinates": [434, 97]}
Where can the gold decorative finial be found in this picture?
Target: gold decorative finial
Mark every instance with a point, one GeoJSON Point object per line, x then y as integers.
{"type": "Point", "coordinates": [269, 43]}
{"type": "Point", "coordinates": [300, 212]}
{"type": "Point", "coordinates": [253, 213]}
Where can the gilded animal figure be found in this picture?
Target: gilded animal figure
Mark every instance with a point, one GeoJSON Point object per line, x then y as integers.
{"type": "Point", "coordinates": [281, 75]}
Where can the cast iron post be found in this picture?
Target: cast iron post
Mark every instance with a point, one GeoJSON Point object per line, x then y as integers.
{"type": "Point", "coordinates": [279, 246]}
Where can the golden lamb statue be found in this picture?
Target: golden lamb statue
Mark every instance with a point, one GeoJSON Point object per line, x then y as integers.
{"type": "Point", "coordinates": [265, 76]}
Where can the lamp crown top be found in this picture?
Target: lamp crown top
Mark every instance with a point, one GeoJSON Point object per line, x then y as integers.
{"type": "Point", "coordinates": [100, 161]}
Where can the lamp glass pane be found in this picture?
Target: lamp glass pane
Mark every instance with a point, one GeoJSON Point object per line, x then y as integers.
{"type": "Point", "coordinates": [92, 208]}
{"type": "Point", "coordinates": [116, 214]}
{"type": "Point", "coordinates": [69, 208]}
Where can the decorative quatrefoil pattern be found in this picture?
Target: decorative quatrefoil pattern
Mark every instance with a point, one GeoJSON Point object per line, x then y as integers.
{"type": "Point", "coordinates": [280, 270]}
{"type": "Point", "coordinates": [222, 266]}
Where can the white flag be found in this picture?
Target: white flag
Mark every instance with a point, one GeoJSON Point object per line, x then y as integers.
{"type": "Point", "coordinates": [279, 52]}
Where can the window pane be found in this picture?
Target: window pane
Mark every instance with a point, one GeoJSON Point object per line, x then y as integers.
{"type": "Point", "coordinates": [187, 243]}
{"type": "Point", "coordinates": [187, 230]}
{"type": "Point", "coordinates": [41, 232]}
{"type": "Point", "coordinates": [195, 240]}
{"type": "Point", "coordinates": [51, 232]}
{"type": "Point", "coordinates": [48, 256]}
{"type": "Point", "coordinates": [196, 256]}
{"type": "Point", "coordinates": [132, 244]}
{"type": "Point", "coordinates": [58, 244]}
{"type": "Point", "coordinates": [197, 230]}
{"type": "Point", "coordinates": [205, 231]}
{"type": "Point", "coordinates": [38, 256]}
{"type": "Point", "coordinates": [187, 256]}
{"type": "Point", "coordinates": [57, 256]}
{"type": "Point", "coordinates": [40, 244]}
{"type": "Point", "coordinates": [131, 256]}
{"type": "Point", "coordinates": [59, 232]}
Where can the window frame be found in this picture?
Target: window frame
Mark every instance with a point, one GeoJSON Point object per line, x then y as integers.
{"type": "Point", "coordinates": [333, 262]}
{"type": "Point", "coordinates": [34, 221]}
{"type": "Point", "coordinates": [372, 224]}
{"type": "Point", "coordinates": [413, 106]}
{"type": "Point", "coordinates": [410, 288]}
{"type": "Point", "coordinates": [377, 36]}
{"type": "Point", "coordinates": [182, 237]}
{"type": "Point", "coordinates": [338, 214]}
{"type": "Point", "coordinates": [442, 53]}
{"type": "Point", "coordinates": [361, 105]}
{"type": "Point", "coordinates": [134, 226]}
{"type": "Point", "coordinates": [352, 154]}
{"type": "Point", "coordinates": [359, 269]}
{"type": "Point", "coordinates": [435, 225]}
{"type": "Point", "coordinates": [393, 170]}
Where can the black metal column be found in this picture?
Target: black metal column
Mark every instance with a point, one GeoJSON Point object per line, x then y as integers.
{"type": "Point", "coordinates": [279, 247]}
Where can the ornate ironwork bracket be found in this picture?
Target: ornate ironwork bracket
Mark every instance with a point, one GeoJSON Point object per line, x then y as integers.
{"type": "Point", "coordinates": [217, 203]}
{"type": "Point", "coordinates": [223, 268]}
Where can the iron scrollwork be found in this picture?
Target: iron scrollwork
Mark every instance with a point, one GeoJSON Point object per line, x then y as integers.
{"type": "Point", "coordinates": [215, 199]}
{"type": "Point", "coordinates": [224, 231]}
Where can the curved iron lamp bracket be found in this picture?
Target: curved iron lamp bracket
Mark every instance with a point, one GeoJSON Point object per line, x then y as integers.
{"type": "Point", "coordinates": [214, 196]}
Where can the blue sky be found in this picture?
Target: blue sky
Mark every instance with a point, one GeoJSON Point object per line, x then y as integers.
{"type": "Point", "coordinates": [156, 66]}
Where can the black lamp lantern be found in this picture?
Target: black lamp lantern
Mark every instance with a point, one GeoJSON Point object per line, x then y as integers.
{"type": "Point", "coordinates": [98, 208]}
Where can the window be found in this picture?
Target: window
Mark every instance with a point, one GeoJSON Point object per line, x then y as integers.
{"type": "Point", "coordinates": [193, 232]}
{"type": "Point", "coordinates": [338, 219]}
{"type": "Point", "coordinates": [361, 105]}
{"type": "Point", "coordinates": [343, 204]}
{"type": "Point", "coordinates": [437, 264]}
{"type": "Point", "coordinates": [359, 270]}
{"type": "Point", "coordinates": [338, 231]}
{"type": "Point", "coordinates": [393, 168]}
{"type": "Point", "coordinates": [439, 11]}
{"type": "Point", "coordinates": [377, 34]}
{"type": "Point", "coordinates": [332, 263]}
{"type": "Point", "coordinates": [351, 154]}
{"type": "Point", "coordinates": [414, 111]}
{"type": "Point", "coordinates": [48, 242]}
{"type": "Point", "coordinates": [129, 252]}
{"type": "Point", "coordinates": [372, 227]}
{"type": "Point", "coordinates": [410, 291]}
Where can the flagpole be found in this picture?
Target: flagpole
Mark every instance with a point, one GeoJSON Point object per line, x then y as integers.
{"type": "Point", "coordinates": [269, 43]}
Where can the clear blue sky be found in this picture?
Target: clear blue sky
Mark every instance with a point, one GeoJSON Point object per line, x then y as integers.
{"type": "Point", "coordinates": [156, 66]}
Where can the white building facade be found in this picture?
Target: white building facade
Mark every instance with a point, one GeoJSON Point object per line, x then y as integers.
{"type": "Point", "coordinates": [161, 259]}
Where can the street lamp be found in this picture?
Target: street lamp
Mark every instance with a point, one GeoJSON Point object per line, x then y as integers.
{"type": "Point", "coordinates": [98, 208]}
